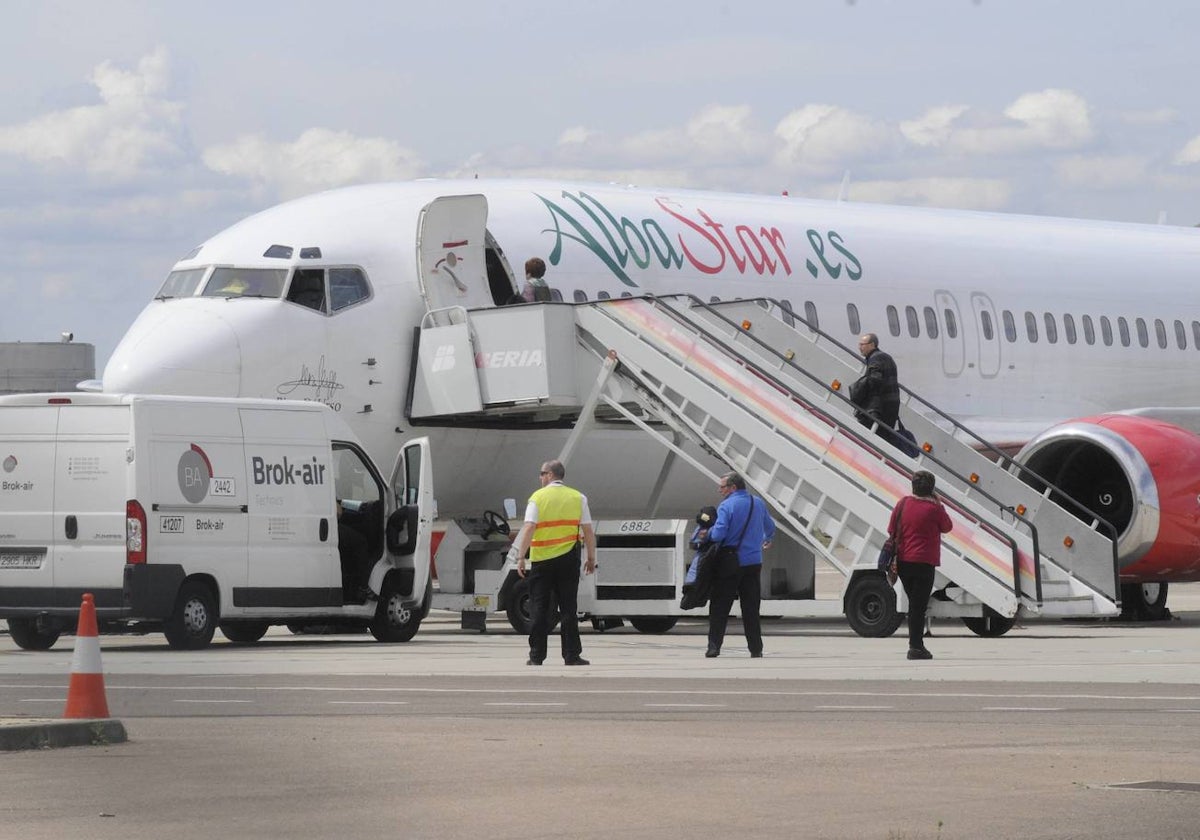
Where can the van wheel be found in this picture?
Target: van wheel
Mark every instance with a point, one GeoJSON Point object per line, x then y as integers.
{"type": "Point", "coordinates": [25, 633]}
{"type": "Point", "coordinates": [194, 620]}
{"type": "Point", "coordinates": [652, 623]}
{"type": "Point", "coordinates": [871, 606]}
{"type": "Point", "coordinates": [394, 620]}
{"type": "Point", "coordinates": [520, 608]}
{"type": "Point", "coordinates": [244, 632]}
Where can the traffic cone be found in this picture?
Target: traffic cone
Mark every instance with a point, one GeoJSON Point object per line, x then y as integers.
{"type": "Point", "coordinates": [85, 694]}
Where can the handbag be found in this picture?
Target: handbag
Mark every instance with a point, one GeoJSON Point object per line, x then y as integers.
{"type": "Point", "coordinates": [887, 555]}
{"type": "Point", "coordinates": [728, 562]}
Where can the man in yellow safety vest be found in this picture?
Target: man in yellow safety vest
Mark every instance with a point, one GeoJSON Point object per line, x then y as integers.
{"type": "Point", "coordinates": [555, 519]}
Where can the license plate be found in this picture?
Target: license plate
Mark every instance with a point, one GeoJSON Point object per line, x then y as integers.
{"type": "Point", "coordinates": [22, 560]}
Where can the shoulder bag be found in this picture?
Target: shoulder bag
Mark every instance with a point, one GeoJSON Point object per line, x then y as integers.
{"type": "Point", "coordinates": [887, 554]}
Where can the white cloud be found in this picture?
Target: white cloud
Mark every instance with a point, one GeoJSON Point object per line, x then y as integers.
{"type": "Point", "coordinates": [1190, 153]}
{"type": "Point", "coordinates": [822, 138]}
{"type": "Point", "coordinates": [135, 129]}
{"type": "Point", "coordinates": [1105, 172]}
{"type": "Point", "coordinates": [932, 128]}
{"type": "Point", "coordinates": [1048, 119]}
{"type": "Point", "coordinates": [318, 159]}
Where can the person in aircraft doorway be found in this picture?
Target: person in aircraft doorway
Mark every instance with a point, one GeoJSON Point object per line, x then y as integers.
{"type": "Point", "coordinates": [557, 519]}
{"type": "Point", "coordinates": [877, 392]}
{"type": "Point", "coordinates": [535, 281]}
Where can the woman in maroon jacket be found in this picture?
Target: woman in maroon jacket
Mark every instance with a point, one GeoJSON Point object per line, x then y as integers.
{"type": "Point", "coordinates": [917, 524]}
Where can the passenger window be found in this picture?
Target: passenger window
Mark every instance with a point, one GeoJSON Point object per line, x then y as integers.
{"type": "Point", "coordinates": [810, 314]}
{"type": "Point", "coordinates": [931, 325]}
{"type": "Point", "coordinates": [951, 324]}
{"type": "Point", "coordinates": [308, 288]}
{"type": "Point", "coordinates": [1069, 327]}
{"type": "Point", "coordinates": [603, 295]}
{"type": "Point", "coordinates": [1031, 327]}
{"type": "Point", "coordinates": [1051, 329]}
{"type": "Point", "coordinates": [1010, 326]}
{"type": "Point", "coordinates": [1160, 332]}
{"type": "Point", "coordinates": [985, 322]}
{"type": "Point", "coordinates": [786, 306]}
{"type": "Point", "coordinates": [914, 325]}
{"type": "Point", "coordinates": [1123, 329]}
{"type": "Point", "coordinates": [1089, 331]}
{"type": "Point", "coordinates": [556, 295]}
{"type": "Point", "coordinates": [352, 479]}
{"type": "Point", "coordinates": [1106, 332]}
{"type": "Point", "coordinates": [852, 319]}
{"type": "Point", "coordinates": [580, 296]}
{"type": "Point", "coordinates": [1180, 335]}
{"type": "Point", "coordinates": [1196, 334]}
{"type": "Point", "coordinates": [1143, 333]}
{"type": "Point", "coordinates": [714, 299]}
{"type": "Point", "coordinates": [347, 286]}
{"type": "Point", "coordinates": [893, 319]}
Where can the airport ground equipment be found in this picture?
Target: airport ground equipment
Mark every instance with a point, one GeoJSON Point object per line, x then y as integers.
{"type": "Point", "coordinates": [765, 393]}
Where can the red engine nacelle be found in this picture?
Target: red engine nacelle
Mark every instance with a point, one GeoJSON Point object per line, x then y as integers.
{"type": "Point", "coordinates": [1142, 475]}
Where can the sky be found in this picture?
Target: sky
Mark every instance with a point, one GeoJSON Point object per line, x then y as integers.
{"type": "Point", "coordinates": [132, 131]}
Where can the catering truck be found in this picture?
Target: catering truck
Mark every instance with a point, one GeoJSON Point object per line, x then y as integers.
{"type": "Point", "coordinates": [185, 514]}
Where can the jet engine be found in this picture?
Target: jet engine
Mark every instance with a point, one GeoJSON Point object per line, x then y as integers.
{"type": "Point", "coordinates": [1142, 475]}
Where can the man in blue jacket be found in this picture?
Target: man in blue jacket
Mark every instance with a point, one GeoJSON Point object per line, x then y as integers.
{"type": "Point", "coordinates": [742, 520]}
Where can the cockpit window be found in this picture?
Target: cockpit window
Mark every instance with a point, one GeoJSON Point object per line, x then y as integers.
{"type": "Point", "coordinates": [308, 288]}
{"type": "Point", "coordinates": [246, 282]}
{"type": "Point", "coordinates": [347, 286]}
{"type": "Point", "coordinates": [181, 283]}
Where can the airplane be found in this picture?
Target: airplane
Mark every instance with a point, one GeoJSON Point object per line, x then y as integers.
{"type": "Point", "coordinates": [1072, 341]}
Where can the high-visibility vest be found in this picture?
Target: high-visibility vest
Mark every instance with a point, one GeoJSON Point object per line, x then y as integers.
{"type": "Point", "coordinates": [559, 510]}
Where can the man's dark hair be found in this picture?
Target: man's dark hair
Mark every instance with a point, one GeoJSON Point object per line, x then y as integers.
{"type": "Point", "coordinates": [556, 469]}
{"type": "Point", "coordinates": [736, 480]}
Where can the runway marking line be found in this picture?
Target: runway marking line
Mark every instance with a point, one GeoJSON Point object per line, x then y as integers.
{"type": "Point", "coordinates": [1022, 709]}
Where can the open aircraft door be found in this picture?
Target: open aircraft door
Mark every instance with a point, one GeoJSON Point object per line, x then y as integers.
{"type": "Point", "coordinates": [451, 236]}
{"type": "Point", "coordinates": [412, 483]}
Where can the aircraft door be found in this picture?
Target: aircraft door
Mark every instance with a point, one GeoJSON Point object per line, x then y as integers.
{"type": "Point", "coordinates": [450, 252]}
{"type": "Point", "coordinates": [953, 343]}
{"type": "Point", "coordinates": [988, 330]}
{"type": "Point", "coordinates": [412, 484]}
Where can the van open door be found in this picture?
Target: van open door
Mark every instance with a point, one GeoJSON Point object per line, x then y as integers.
{"type": "Point", "coordinates": [451, 236]}
{"type": "Point", "coordinates": [403, 583]}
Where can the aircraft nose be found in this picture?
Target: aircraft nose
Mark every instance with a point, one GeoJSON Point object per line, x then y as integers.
{"type": "Point", "coordinates": [170, 350]}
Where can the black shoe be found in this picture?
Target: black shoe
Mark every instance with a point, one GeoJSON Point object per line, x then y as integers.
{"type": "Point", "coordinates": [756, 654]}
{"type": "Point", "coordinates": [712, 653]}
{"type": "Point", "coordinates": [919, 653]}
{"type": "Point", "coordinates": [532, 661]}
{"type": "Point", "coordinates": [578, 660]}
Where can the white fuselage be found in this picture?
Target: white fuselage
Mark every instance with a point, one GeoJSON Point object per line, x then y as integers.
{"type": "Point", "coordinates": [951, 295]}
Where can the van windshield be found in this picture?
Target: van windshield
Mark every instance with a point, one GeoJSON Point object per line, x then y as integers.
{"type": "Point", "coordinates": [245, 282]}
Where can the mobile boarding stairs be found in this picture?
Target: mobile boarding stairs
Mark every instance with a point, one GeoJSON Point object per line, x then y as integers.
{"type": "Point", "coordinates": [765, 393]}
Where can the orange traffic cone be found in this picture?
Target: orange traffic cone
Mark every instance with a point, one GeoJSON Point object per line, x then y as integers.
{"type": "Point", "coordinates": [85, 695]}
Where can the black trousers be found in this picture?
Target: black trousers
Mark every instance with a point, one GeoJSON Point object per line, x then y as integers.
{"type": "Point", "coordinates": [917, 579]}
{"type": "Point", "coordinates": [746, 586]}
{"type": "Point", "coordinates": [558, 575]}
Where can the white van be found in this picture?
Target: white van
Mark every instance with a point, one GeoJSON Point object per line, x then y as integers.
{"type": "Point", "coordinates": [188, 513]}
